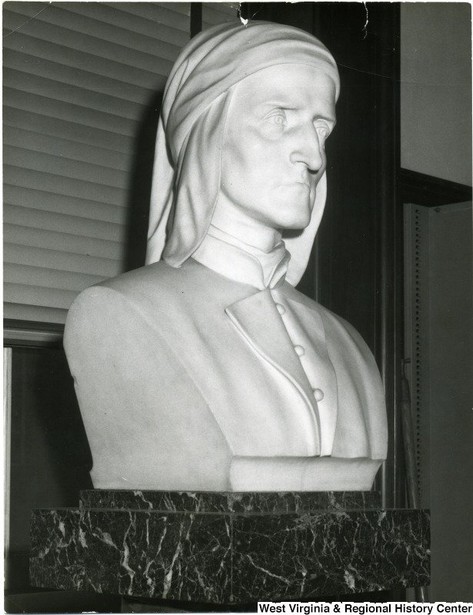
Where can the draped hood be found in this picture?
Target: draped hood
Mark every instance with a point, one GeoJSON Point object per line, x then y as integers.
{"type": "Point", "coordinates": [187, 167]}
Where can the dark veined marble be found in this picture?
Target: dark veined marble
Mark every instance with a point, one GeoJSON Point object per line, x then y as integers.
{"type": "Point", "coordinates": [225, 502]}
{"type": "Point", "coordinates": [295, 551]}
{"type": "Point", "coordinates": [332, 553]}
{"type": "Point", "coordinates": [144, 554]}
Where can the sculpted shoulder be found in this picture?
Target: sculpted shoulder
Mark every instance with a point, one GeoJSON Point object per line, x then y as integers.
{"type": "Point", "coordinates": [158, 280]}
{"type": "Point", "coordinates": [141, 294]}
{"type": "Point", "coordinates": [99, 307]}
{"type": "Point", "coordinates": [162, 283]}
{"type": "Point", "coordinates": [133, 283]}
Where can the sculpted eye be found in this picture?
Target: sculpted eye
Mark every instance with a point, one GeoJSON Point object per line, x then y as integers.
{"type": "Point", "coordinates": [277, 117]}
{"type": "Point", "coordinates": [323, 130]}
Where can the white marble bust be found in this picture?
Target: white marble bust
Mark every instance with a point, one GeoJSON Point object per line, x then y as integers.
{"type": "Point", "coordinates": [206, 369]}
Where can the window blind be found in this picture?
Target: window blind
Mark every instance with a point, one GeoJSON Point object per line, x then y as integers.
{"type": "Point", "coordinates": [214, 13]}
{"type": "Point", "coordinates": [78, 79]}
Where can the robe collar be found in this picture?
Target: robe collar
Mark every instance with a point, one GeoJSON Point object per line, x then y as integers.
{"type": "Point", "coordinates": [229, 256]}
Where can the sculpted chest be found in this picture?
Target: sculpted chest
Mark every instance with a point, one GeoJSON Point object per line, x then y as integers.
{"type": "Point", "coordinates": [239, 359]}
{"type": "Point", "coordinates": [216, 371]}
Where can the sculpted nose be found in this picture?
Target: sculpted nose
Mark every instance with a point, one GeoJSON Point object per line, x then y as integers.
{"type": "Point", "coordinates": [309, 150]}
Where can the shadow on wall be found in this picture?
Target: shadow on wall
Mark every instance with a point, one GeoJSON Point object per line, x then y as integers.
{"type": "Point", "coordinates": [140, 185]}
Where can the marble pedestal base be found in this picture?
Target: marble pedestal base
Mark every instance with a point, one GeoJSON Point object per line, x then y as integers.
{"type": "Point", "coordinates": [229, 548]}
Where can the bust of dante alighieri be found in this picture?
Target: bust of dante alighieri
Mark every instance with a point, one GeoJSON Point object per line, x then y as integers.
{"type": "Point", "coordinates": [206, 369]}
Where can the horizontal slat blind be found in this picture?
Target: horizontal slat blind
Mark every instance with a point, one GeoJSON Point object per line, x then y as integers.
{"type": "Point", "coordinates": [78, 80]}
{"type": "Point", "coordinates": [214, 13]}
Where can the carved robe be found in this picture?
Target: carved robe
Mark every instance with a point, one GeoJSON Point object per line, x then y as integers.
{"type": "Point", "coordinates": [188, 380]}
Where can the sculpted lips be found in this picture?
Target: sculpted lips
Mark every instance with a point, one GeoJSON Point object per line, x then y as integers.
{"type": "Point", "coordinates": [298, 182]}
{"type": "Point", "coordinates": [304, 184]}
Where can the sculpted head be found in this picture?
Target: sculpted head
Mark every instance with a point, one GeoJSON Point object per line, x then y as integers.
{"type": "Point", "coordinates": [274, 146]}
{"type": "Point", "coordinates": [245, 116]}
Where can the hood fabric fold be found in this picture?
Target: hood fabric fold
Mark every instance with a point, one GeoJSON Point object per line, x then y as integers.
{"type": "Point", "coordinates": [186, 174]}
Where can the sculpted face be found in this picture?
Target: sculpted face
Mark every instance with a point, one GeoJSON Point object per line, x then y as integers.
{"type": "Point", "coordinates": [274, 147]}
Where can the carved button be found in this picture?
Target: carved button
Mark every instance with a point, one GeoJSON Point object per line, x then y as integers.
{"type": "Point", "coordinates": [318, 394]}
{"type": "Point", "coordinates": [299, 350]}
{"type": "Point", "coordinates": [281, 308]}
